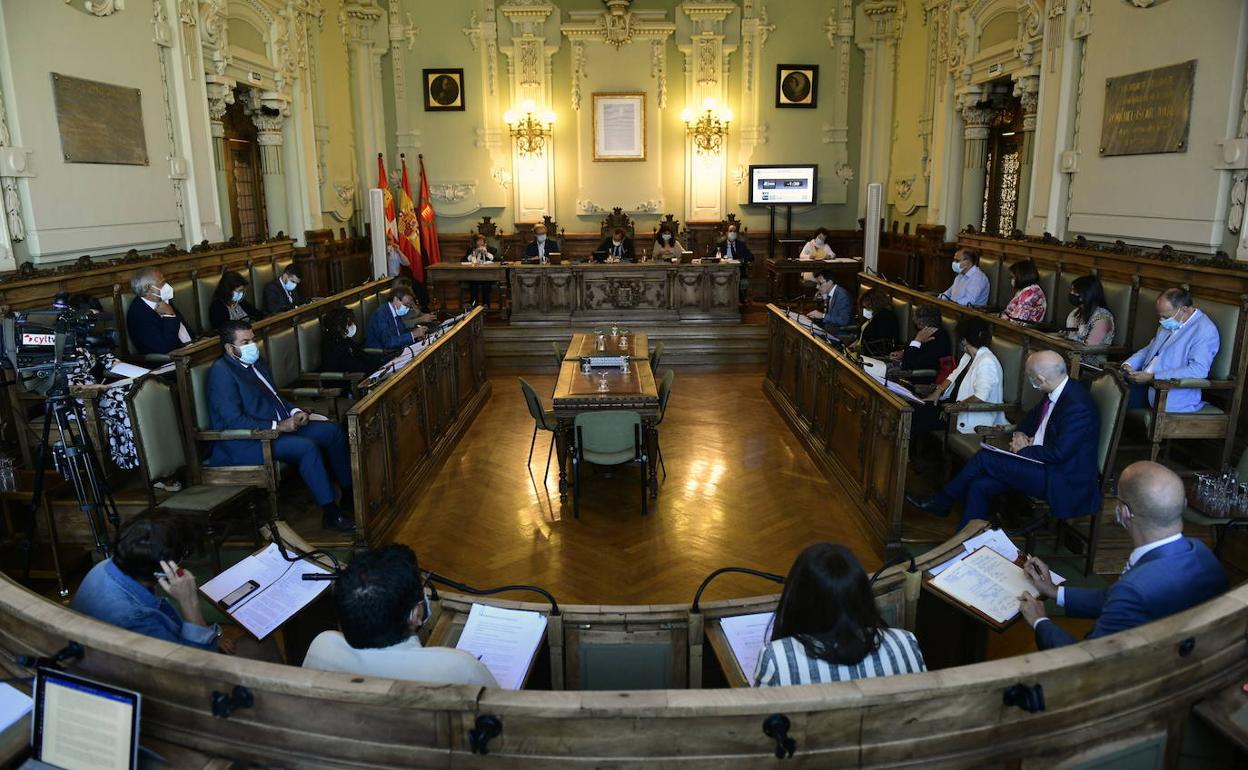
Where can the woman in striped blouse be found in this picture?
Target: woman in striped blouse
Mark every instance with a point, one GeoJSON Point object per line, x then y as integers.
{"type": "Point", "coordinates": [828, 629]}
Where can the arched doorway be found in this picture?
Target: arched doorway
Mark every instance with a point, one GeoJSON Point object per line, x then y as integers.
{"type": "Point", "coordinates": [243, 175]}
{"type": "Point", "coordinates": [1003, 164]}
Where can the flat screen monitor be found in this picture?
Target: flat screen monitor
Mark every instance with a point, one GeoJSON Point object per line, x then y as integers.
{"type": "Point", "coordinates": [80, 724]}
{"type": "Point", "coordinates": [784, 185]}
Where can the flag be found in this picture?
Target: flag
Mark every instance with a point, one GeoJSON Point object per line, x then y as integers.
{"type": "Point", "coordinates": [409, 230]}
{"type": "Point", "coordinates": [391, 226]}
{"type": "Point", "coordinates": [428, 230]}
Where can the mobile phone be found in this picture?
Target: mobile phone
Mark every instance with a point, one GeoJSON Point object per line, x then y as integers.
{"type": "Point", "coordinates": [238, 594]}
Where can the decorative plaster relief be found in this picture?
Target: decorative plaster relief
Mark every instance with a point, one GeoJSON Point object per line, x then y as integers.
{"type": "Point", "coordinates": [102, 7]}
{"type": "Point", "coordinates": [588, 207]}
{"type": "Point", "coordinates": [343, 204]}
{"type": "Point", "coordinates": [162, 33]}
{"type": "Point", "coordinates": [452, 192]}
{"type": "Point", "coordinates": [845, 173]}
{"type": "Point", "coordinates": [502, 176]}
{"type": "Point", "coordinates": [12, 201]}
{"type": "Point", "coordinates": [579, 72]}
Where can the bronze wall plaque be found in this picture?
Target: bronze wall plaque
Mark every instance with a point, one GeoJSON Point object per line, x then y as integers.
{"type": "Point", "coordinates": [99, 122]}
{"type": "Point", "coordinates": [1148, 112]}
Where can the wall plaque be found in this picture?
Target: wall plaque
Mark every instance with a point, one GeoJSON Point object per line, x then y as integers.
{"type": "Point", "coordinates": [1148, 112]}
{"type": "Point", "coordinates": [99, 122]}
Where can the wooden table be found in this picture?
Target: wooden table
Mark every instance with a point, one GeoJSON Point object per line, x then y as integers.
{"type": "Point", "coordinates": [576, 393]}
{"type": "Point", "coordinates": [779, 270]}
{"type": "Point", "coordinates": [447, 274]}
{"type": "Point", "coordinates": [584, 345]}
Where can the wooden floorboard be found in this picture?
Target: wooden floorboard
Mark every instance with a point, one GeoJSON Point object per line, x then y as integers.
{"type": "Point", "coordinates": [740, 491]}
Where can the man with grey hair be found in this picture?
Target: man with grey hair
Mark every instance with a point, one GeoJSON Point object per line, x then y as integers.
{"type": "Point", "coordinates": [152, 322]}
{"type": "Point", "coordinates": [1183, 349]}
{"type": "Point", "coordinates": [1052, 454]}
{"type": "Point", "coordinates": [1165, 573]}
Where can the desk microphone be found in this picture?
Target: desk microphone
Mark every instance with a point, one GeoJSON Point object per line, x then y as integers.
{"type": "Point", "coordinates": [433, 577]}
{"type": "Point", "coordinates": [900, 558]}
{"type": "Point", "coordinates": [697, 596]}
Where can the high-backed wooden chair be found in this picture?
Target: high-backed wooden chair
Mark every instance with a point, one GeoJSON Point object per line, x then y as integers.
{"type": "Point", "coordinates": [1012, 357]}
{"type": "Point", "coordinates": [154, 417]}
{"type": "Point", "coordinates": [263, 273]}
{"type": "Point", "coordinates": [617, 218]}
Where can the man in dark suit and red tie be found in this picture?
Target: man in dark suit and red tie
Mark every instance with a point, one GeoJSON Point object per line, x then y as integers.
{"type": "Point", "coordinates": [242, 395]}
{"type": "Point", "coordinates": [1052, 453]}
{"type": "Point", "coordinates": [1165, 572]}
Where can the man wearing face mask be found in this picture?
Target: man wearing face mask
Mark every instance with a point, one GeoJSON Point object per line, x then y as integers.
{"type": "Point", "coordinates": [283, 293]}
{"type": "Point", "coordinates": [1184, 348]}
{"type": "Point", "coordinates": [1165, 572]}
{"type": "Point", "coordinates": [733, 246]}
{"type": "Point", "coordinates": [242, 396]}
{"type": "Point", "coordinates": [1060, 434]}
{"type": "Point", "coordinates": [153, 323]}
{"type": "Point", "coordinates": [970, 284]}
{"type": "Point", "coordinates": [540, 246]}
{"type": "Point", "coordinates": [385, 329]}
{"type": "Point", "coordinates": [617, 247]}
{"type": "Point", "coordinates": [381, 605]}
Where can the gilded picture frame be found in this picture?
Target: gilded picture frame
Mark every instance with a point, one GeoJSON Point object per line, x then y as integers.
{"type": "Point", "coordinates": [619, 126]}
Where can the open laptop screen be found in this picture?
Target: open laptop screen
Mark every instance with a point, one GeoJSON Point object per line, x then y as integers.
{"type": "Point", "coordinates": [84, 725]}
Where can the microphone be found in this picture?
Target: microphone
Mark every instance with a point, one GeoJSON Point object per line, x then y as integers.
{"type": "Point", "coordinates": [697, 596]}
{"type": "Point", "coordinates": [433, 577]}
{"type": "Point", "coordinates": [893, 562]}
{"type": "Point", "coordinates": [71, 651]}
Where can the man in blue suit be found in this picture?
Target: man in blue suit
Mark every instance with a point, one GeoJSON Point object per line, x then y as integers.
{"type": "Point", "coordinates": [1184, 346]}
{"type": "Point", "coordinates": [241, 395]}
{"type": "Point", "coordinates": [385, 328]}
{"type": "Point", "coordinates": [153, 323]}
{"type": "Point", "coordinates": [1052, 454]}
{"type": "Point", "coordinates": [838, 306]}
{"type": "Point", "coordinates": [1165, 573]}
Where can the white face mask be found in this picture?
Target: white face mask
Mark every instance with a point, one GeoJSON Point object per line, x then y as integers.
{"type": "Point", "coordinates": [820, 241]}
{"type": "Point", "coordinates": [732, 236]}
{"type": "Point", "coordinates": [166, 292]}
{"type": "Point", "coordinates": [618, 243]}
{"type": "Point", "coordinates": [351, 331]}
{"type": "Point", "coordinates": [667, 236]}
{"type": "Point", "coordinates": [541, 237]}
{"type": "Point", "coordinates": [867, 313]}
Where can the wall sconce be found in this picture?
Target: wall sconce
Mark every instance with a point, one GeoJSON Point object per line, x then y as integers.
{"type": "Point", "coordinates": [708, 129]}
{"type": "Point", "coordinates": [530, 131]}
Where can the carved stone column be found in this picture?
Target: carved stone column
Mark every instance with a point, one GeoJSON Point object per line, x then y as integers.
{"type": "Point", "coordinates": [529, 42]}
{"type": "Point", "coordinates": [707, 51]}
{"type": "Point", "coordinates": [1027, 89]}
{"type": "Point", "coordinates": [976, 120]}
{"type": "Point", "coordinates": [268, 111]}
{"type": "Point", "coordinates": [358, 19]}
{"type": "Point", "coordinates": [877, 38]}
{"type": "Point", "coordinates": [220, 97]}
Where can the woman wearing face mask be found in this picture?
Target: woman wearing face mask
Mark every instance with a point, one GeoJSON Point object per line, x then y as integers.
{"type": "Point", "coordinates": [1029, 304]}
{"type": "Point", "coordinates": [816, 248]}
{"type": "Point", "coordinates": [665, 244]}
{"type": "Point", "coordinates": [340, 350]}
{"type": "Point", "coordinates": [879, 328]}
{"type": "Point", "coordinates": [976, 380]}
{"type": "Point", "coordinates": [229, 302]}
{"type": "Point", "coordinates": [1090, 322]}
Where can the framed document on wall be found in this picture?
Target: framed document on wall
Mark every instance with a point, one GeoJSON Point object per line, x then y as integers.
{"type": "Point", "coordinates": [620, 126]}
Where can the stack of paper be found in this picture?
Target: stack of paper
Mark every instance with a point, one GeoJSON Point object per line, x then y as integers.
{"type": "Point", "coordinates": [997, 541]}
{"type": "Point", "coordinates": [747, 636]}
{"type": "Point", "coordinates": [504, 640]}
{"type": "Point", "coordinates": [14, 704]}
{"type": "Point", "coordinates": [282, 590]}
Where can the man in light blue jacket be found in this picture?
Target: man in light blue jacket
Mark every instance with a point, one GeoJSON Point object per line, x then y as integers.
{"type": "Point", "coordinates": [1184, 347]}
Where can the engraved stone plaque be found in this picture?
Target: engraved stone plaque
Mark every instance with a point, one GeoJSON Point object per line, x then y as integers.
{"type": "Point", "coordinates": [99, 122]}
{"type": "Point", "coordinates": [1148, 112]}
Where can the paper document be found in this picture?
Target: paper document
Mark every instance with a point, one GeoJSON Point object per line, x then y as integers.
{"type": "Point", "coordinates": [123, 369]}
{"type": "Point", "coordinates": [997, 541]}
{"type": "Point", "coordinates": [902, 391]}
{"type": "Point", "coordinates": [504, 640]}
{"type": "Point", "coordinates": [281, 593]}
{"type": "Point", "coordinates": [747, 636]}
{"type": "Point", "coordinates": [987, 582]}
{"type": "Point", "coordinates": [1000, 451]}
{"type": "Point", "coordinates": [14, 704]}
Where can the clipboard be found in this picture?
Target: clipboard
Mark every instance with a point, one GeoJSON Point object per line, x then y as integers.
{"type": "Point", "coordinates": [975, 612]}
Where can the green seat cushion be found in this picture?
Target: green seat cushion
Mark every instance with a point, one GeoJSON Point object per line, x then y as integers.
{"type": "Point", "coordinates": [1144, 417]}
{"type": "Point", "coordinates": [204, 498]}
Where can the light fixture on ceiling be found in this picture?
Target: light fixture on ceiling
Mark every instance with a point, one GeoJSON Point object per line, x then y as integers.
{"type": "Point", "coordinates": [530, 130]}
{"type": "Point", "coordinates": [709, 128]}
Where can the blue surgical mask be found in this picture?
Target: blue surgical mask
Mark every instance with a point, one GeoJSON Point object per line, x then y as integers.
{"type": "Point", "coordinates": [957, 266]}
{"type": "Point", "coordinates": [732, 236]}
{"type": "Point", "coordinates": [1170, 324]}
{"type": "Point", "coordinates": [237, 296]}
{"type": "Point", "coordinates": [401, 310]}
{"type": "Point", "coordinates": [249, 353]}
{"type": "Point", "coordinates": [289, 285]}
{"type": "Point", "coordinates": [667, 236]}
{"type": "Point", "coordinates": [351, 330]}
{"type": "Point", "coordinates": [541, 237]}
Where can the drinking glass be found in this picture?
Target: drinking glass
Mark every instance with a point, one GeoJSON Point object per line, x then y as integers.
{"type": "Point", "coordinates": [602, 382]}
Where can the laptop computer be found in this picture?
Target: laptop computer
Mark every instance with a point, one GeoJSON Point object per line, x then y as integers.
{"type": "Point", "coordinates": [81, 724]}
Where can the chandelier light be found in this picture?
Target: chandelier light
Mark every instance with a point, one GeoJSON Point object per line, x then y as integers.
{"type": "Point", "coordinates": [530, 130]}
{"type": "Point", "coordinates": [708, 129]}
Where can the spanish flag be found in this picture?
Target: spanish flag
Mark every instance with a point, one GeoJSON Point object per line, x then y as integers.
{"type": "Point", "coordinates": [409, 230]}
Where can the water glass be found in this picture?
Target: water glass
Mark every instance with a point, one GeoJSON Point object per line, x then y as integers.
{"type": "Point", "coordinates": [602, 343]}
{"type": "Point", "coordinates": [615, 330]}
{"type": "Point", "coordinates": [624, 340]}
{"type": "Point", "coordinates": [602, 382]}
{"type": "Point", "coordinates": [585, 367]}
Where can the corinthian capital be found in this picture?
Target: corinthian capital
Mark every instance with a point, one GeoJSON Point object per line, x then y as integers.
{"type": "Point", "coordinates": [357, 17]}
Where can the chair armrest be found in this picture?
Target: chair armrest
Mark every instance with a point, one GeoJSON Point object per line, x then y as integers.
{"type": "Point", "coordinates": [311, 392]}
{"type": "Point", "coordinates": [236, 434]}
{"type": "Point", "coordinates": [902, 373]}
{"type": "Point", "coordinates": [994, 430]}
{"type": "Point", "coordinates": [156, 358]}
{"type": "Point", "coordinates": [1193, 382]}
{"type": "Point", "coordinates": [979, 406]}
{"type": "Point", "coordinates": [336, 377]}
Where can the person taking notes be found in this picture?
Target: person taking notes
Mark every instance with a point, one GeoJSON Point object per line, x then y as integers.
{"type": "Point", "coordinates": [970, 284]}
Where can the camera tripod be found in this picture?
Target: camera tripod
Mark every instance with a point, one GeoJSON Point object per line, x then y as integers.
{"type": "Point", "coordinates": [74, 456]}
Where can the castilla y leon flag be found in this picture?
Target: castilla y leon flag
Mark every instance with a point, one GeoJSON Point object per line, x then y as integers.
{"type": "Point", "coordinates": [392, 230]}
{"type": "Point", "coordinates": [428, 230]}
{"type": "Point", "coordinates": [409, 230]}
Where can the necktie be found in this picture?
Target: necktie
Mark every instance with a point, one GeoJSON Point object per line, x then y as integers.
{"type": "Point", "coordinates": [730, 250]}
{"type": "Point", "coordinates": [617, 252]}
{"type": "Point", "coordinates": [1044, 409]}
{"type": "Point", "coordinates": [278, 404]}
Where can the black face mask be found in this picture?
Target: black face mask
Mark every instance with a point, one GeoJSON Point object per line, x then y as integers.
{"type": "Point", "coordinates": [1075, 300]}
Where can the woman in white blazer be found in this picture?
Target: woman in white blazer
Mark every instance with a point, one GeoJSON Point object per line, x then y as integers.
{"type": "Point", "coordinates": [976, 379]}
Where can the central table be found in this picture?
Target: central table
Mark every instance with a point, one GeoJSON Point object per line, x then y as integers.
{"type": "Point", "coordinates": [576, 392]}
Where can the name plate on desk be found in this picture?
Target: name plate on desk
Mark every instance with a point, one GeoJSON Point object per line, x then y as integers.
{"type": "Point", "coordinates": [602, 362]}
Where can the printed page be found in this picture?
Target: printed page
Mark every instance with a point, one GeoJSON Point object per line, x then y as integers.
{"type": "Point", "coordinates": [747, 636]}
{"type": "Point", "coordinates": [504, 640]}
{"type": "Point", "coordinates": [1000, 451]}
{"type": "Point", "coordinates": [14, 704]}
{"type": "Point", "coordinates": [987, 582]}
{"type": "Point", "coordinates": [281, 594]}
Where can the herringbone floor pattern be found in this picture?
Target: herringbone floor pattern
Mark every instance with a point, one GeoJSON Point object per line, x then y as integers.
{"type": "Point", "coordinates": [740, 491]}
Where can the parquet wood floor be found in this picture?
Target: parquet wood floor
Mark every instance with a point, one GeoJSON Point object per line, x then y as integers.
{"type": "Point", "coordinates": [740, 490]}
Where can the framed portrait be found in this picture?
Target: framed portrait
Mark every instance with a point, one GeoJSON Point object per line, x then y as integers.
{"type": "Point", "coordinates": [797, 85]}
{"type": "Point", "coordinates": [444, 90]}
{"type": "Point", "coordinates": [620, 126]}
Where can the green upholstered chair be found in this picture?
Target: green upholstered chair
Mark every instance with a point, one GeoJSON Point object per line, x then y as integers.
{"type": "Point", "coordinates": [560, 352]}
{"type": "Point", "coordinates": [154, 417]}
{"type": "Point", "coordinates": [665, 392]}
{"type": "Point", "coordinates": [657, 356]}
{"type": "Point", "coordinates": [543, 419]}
{"type": "Point", "coordinates": [608, 437]}
{"type": "Point", "coordinates": [263, 273]}
{"type": "Point", "coordinates": [198, 298]}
